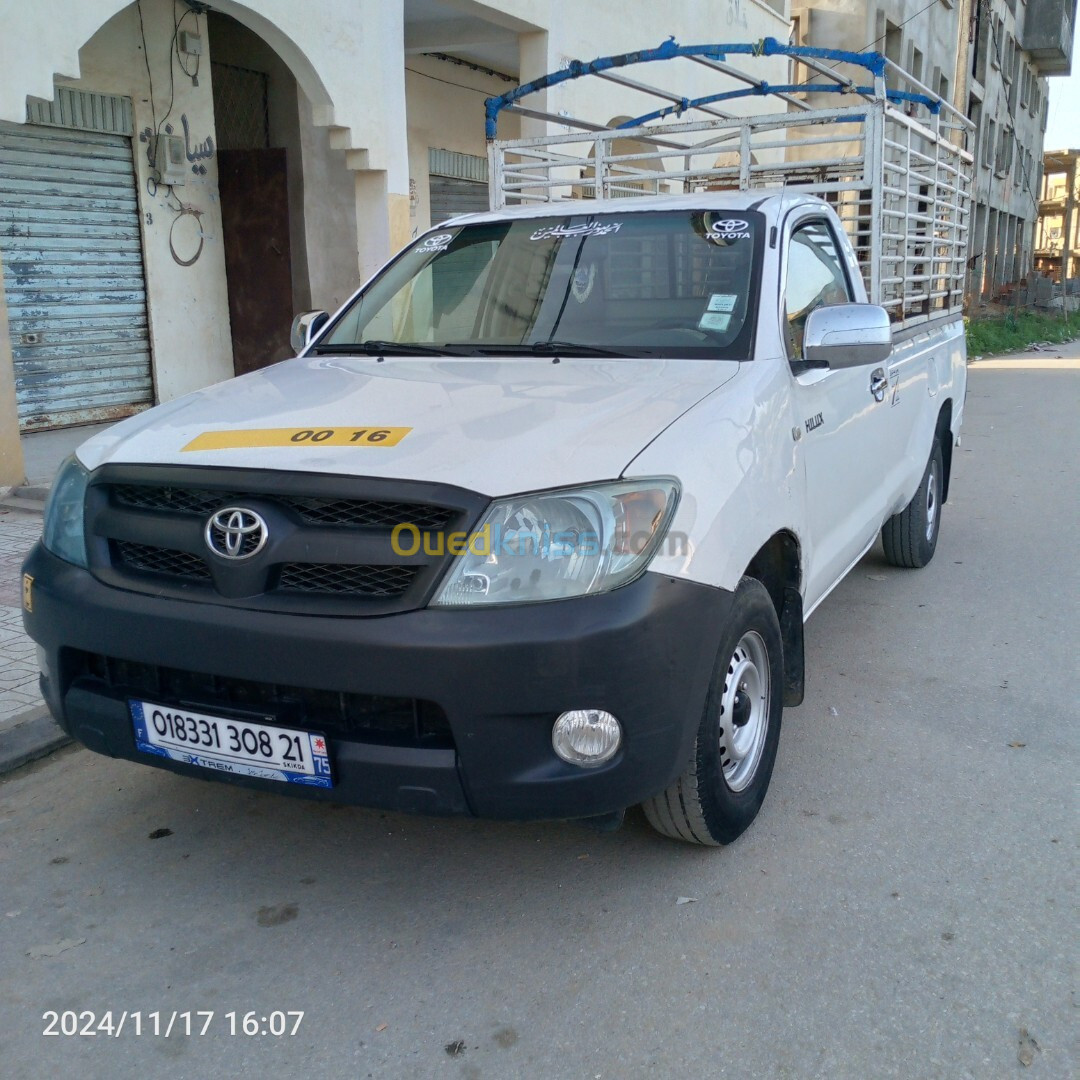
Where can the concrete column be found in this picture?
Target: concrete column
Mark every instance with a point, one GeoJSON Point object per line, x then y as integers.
{"type": "Point", "coordinates": [12, 467]}
{"type": "Point", "coordinates": [382, 174]}
{"type": "Point", "coordinates": [382, 221]}
{"type": "Point", "coordinates": [1067, 233]}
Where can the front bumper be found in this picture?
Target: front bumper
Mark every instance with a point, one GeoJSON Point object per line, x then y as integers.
{"type": "Point", "coordinates": [644, 652]}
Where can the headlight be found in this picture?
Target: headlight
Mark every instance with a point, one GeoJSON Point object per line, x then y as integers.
{"type": "Point", "coordinates": [64, 534]}
{"type": "Point", "coordinates": [556, 544]}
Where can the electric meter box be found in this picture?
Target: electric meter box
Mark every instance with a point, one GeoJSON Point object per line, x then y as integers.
{"type": "Point", "coordinates": [170, 160]}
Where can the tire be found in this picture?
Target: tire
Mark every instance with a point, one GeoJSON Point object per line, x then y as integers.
{"type": "Point", "coordinates": [910, 537]}
{"type": "Point", "coordinates": [721, 790]}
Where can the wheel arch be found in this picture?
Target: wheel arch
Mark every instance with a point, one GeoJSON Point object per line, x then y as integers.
{"type": "Point", "coordinates": [944, 436]}
{"type": "Point", "coordinates": [778, 566]}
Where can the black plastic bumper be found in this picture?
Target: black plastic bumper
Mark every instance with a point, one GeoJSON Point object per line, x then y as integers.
{"type": "Point", "coordinates": [644, 653]}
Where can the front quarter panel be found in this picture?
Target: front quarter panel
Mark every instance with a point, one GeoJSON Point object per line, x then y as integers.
{"type": "Point", "coordinates": [734, 455]}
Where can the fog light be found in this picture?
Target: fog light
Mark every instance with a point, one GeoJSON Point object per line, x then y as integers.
{"type": "Point", "coordinates": [586, 737]}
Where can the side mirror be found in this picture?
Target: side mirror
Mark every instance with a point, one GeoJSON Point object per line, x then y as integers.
{"type": "Point", "coordinates": [847, 335]}
{"type": "Point", "coordinates": [304, 327]}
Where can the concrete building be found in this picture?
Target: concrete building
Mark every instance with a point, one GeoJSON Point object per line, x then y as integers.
{"type": "Point", "coordinates": [178, 178]}
{"type": "Point", "coordinates": [991, 60]}
{"type": "Point", "coordinates": [1057, 241]}
{"type": "Point", "coordinates": [1014, 47]}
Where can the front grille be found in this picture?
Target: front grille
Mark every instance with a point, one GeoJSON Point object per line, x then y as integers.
{"type": "Point", "coordinates": [159, 560]}
{"type": "Point", "coordinates": [342, 579]}
{"type": "Point", "coordinates": [327, 547]}
{"type": "Point", "coordinates": [355, 717]}
{"type": "Point", "coordinates": [354, 513]}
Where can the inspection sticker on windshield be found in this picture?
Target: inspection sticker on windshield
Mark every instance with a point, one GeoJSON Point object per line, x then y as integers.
{"type": "Point", "coordinates": [722, 302]}
{"type": "Point", "coordinates": [331, 436]}
{"type": "Point", "coordinates": [714, 320]}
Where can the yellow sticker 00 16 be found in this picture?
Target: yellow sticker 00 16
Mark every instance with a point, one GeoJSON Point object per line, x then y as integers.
{"type": "Point", "coordinates": [28, 592]}
{"type": "Point", "coordinates": [330, 436]}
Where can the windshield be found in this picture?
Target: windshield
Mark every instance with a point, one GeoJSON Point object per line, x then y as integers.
{"type": "Point", "coordinates": [654, 283]}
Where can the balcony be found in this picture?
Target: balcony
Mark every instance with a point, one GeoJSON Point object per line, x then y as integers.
{"type": "Point", "coordinates": [1048, 35]}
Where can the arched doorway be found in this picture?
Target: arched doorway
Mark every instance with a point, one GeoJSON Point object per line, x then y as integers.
{"type": "Point", "coordinates": [260, 183]}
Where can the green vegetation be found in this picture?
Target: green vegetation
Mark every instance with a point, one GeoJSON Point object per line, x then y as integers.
{"type": "Point", "coordinates": [1012, 332]}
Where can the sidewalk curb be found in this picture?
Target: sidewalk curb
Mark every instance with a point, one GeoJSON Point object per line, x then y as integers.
{"type": "Point", "coordinates": [34, 735]}
{"type": "Point", "coordinates": [24, 499]}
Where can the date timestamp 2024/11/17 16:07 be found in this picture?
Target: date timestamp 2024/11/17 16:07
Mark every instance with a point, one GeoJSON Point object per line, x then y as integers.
{"type": "Point", "coordinates": [166, 1024]}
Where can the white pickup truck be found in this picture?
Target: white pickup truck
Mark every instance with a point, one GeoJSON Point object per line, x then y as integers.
{"type": "Point", "coordinates": [531, 527]}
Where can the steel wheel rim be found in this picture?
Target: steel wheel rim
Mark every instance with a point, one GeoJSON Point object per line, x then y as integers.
{"type": "Point", "coordinates": [931, 504]}
{"type": "Point", "coordinates": [744, 711]}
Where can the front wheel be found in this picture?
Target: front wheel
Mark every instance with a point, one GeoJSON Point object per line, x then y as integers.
{"type": "Point", "coordinates": [910, 537]}
{"type": "Point", "coordinates": [725, 781]}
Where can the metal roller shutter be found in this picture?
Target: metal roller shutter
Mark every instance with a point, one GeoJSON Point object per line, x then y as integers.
{"type": "Point", "coordinates": [457, 184]}
{"type": "Point", "coordinates": [73, 275]}
{"type": "Point", "coordinates": [451, 196]}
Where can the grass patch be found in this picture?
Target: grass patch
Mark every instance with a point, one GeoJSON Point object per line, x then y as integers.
{"type": "Point", "coordinates": [1012, 332]}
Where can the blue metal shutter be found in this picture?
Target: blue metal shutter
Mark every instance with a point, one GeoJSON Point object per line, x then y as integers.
{"type": "Point", "coordinates": [73, 274]}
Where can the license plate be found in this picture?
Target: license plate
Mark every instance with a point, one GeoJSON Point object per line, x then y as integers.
{"type": "Point", "coordinates": [229, 745]}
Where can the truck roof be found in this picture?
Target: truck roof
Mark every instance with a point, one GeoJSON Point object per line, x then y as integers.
{"type": "Point", "coordinates": [766, 202]}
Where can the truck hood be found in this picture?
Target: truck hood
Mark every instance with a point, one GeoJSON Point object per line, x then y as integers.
{"type": "Point", "coordinates": [495, 426]}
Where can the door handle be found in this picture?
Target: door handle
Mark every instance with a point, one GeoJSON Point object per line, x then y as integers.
{"type": "Point", "coordinates": [878, 384]}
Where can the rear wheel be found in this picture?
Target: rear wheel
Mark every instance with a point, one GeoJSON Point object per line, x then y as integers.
{"type": "Point", "coordinates": [725, 781]}
{"type": "Point", "coordinates": [910, 537]}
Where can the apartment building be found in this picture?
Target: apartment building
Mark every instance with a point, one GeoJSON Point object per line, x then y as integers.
{"type": "Point", "coordinates": [991, 59]}
{"type": "Point", "coordinates": [1057, 240]}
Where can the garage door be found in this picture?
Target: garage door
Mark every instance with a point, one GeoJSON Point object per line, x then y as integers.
{"type": "Point", "coordinates": [73, 274]}
{"type": "Point", "coordinates": [457, 184]}
{"type": "Point", "coordinates": [450, 197]}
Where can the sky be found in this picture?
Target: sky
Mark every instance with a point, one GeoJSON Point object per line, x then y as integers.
{"type": "Point", "coordinates": [1063, 119]}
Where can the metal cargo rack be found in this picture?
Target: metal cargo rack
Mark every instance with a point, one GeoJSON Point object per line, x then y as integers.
{"type": "Point", "coordinates": [892, 159]}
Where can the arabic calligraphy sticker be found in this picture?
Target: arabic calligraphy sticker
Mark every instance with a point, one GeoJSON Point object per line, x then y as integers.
{"type": "Point", "coordinates": [562, 231]}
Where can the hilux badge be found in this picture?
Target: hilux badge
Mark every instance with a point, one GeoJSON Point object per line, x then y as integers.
{"type": "Point", "coordinates": [235, 533]}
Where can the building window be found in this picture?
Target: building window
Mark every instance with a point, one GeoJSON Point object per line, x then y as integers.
{"type": "Point", "coordinates": [894, 45]}
{"type": "Point", "coordinates": [990, 145]}
{"type": "Point", "coordinates": [980, 44]}
{"type": "Point", "coordinates": [1004, 159]}
{"type": "Point", "coordinates": [998, 36]}
{"type": "Point", "coordinates": [797, 35]}
{"type": "Point", "coordinates": [943, 88]}
{"type": "Point", "coordinates": [916, 63]}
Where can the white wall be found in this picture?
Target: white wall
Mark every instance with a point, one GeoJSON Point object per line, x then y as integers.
{"type": "Point", "coordinates": [345, 55]}
{"type": "Point", "coordinates": [189, 311]}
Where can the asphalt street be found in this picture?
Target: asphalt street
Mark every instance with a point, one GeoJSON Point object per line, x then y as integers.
{"type": "Point", "coordinates": [905, 905]}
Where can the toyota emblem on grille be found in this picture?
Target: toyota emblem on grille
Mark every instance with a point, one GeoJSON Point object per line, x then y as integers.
{"type": "Point", "coordinates": [235, 533]}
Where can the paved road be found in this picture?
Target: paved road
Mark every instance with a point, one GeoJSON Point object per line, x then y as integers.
{"type": "Point", "coordinates": [902, 907]}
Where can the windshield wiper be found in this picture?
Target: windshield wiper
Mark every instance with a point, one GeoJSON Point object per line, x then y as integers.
{"type": "Point", "coordinates": [395, 348]}
{"type": "Point", "coordinates": [570, 348]}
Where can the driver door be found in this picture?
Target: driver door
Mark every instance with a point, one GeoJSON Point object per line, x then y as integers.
{"type": "Point", "coordinates": [837, 422]}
